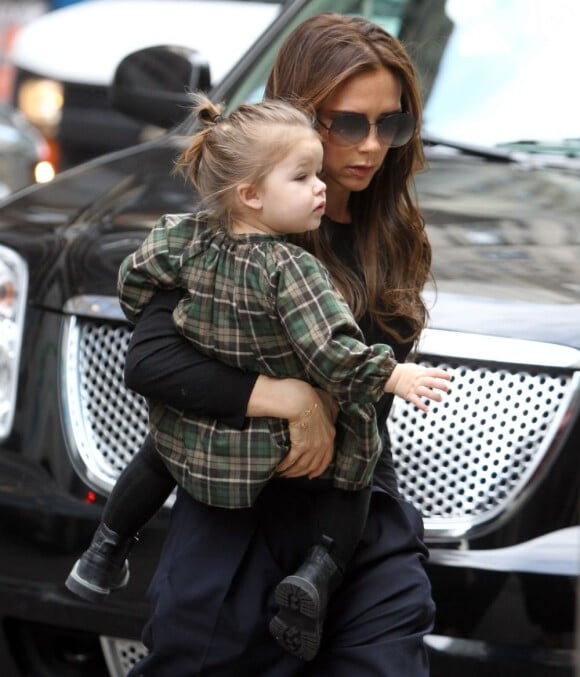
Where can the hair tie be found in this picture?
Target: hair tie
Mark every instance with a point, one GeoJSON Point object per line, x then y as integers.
{"type": "Point", "coordinates": [217, 119]}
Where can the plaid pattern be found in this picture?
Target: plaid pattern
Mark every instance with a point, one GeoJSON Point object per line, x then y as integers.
{"type": "Point", "coordinates": [261, 304]}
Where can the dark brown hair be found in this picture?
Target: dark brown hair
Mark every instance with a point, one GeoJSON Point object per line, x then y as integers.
{"type": "Point", "coordinates": [318, 56]}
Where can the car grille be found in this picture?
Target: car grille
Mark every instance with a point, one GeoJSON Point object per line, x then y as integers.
{"type": "Point", "coordinates": [121, 655]}
{"type": "Point", "coordinates": [461, 464]}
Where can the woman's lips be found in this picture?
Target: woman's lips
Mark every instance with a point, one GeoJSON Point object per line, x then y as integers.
{"type": "Point", "coordinates": [361, 171]}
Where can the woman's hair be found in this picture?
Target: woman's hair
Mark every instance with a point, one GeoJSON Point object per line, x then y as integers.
{"type": "Point", "coordinates": [241, 148]}
{"type": "Point", "coordinates": [318, 56]}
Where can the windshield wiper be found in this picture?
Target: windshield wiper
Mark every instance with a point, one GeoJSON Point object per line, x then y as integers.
{"type": "Point", "coordinates": [569, 148]}
{"type": "Point", "coordinates": [529, 154]}
{"type": "Point", "coordinates": [485, 152]}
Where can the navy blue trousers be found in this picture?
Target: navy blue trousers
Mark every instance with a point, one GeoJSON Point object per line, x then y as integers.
{"type": "Point", "coordinates": [212, 593]}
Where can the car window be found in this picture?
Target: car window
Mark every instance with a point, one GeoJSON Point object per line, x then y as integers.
{"type": "Point", "coordinates": [387, 13]}
{"type": "Point", "coordinates": [492, 71]}
{"type": "Point", "coordinates": [506, 73]}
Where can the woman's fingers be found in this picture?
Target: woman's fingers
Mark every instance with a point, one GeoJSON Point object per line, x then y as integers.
{"type": "Point", "coordinates": [325, 461]}
{"type": "Point", "coordinates": [311, 441]}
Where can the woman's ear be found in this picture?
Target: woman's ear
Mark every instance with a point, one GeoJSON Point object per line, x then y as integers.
{"type": "Point", "coordinates": [249, 196]}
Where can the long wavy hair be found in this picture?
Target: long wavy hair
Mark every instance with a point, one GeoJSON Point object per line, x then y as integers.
{"type": "Point", "coordinates": [390, 239]}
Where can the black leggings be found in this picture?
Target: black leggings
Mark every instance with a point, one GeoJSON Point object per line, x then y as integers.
{"type": "Point", "coordinates": [141, 490]}
{"type": "Point", "coordinates": [145, 484]}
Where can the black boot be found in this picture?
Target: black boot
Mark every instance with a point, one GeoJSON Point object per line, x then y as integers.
{"type": "Point", "coordinates": [303, 598]}
{"type": "Point", "coordinates": [103, 567]}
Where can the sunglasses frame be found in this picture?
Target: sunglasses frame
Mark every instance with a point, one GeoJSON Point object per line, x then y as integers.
{"type": "Point", "coordinates": [397, 114]}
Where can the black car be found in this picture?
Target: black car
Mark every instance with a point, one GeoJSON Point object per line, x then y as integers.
{"type": "Point", "coordinates": [494, 469]}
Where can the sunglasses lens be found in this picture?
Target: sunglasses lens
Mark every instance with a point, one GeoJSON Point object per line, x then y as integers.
{"type": "Point", "coordinates": [393, 130]}
{"type": "Point", "coordinates": [396, 130]}
{"type": "Point", "coordinates": [349, 130]}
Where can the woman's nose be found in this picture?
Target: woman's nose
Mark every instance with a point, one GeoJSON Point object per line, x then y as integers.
{"type": "Point", "coordinates": [371, 140]}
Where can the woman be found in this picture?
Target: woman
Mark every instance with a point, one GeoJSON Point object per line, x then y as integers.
{"type": "Point", "coordinates": [213, 591]}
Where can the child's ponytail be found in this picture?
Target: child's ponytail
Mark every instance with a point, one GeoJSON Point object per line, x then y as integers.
{"type": "Point", "coordinates": [189, 161]}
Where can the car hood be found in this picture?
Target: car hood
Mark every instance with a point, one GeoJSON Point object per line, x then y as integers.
{"type": "Point", "coordinates": [505, 240]}
{"type": "Point", "coordinates": [506, 246]}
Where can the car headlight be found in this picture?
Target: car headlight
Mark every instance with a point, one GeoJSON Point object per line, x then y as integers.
{"type": "Point", "coordinates": [13, 291]}
{"type": "Point", "coordinates": [40, 101]}
{"type": "Point", "coordinates": [44, 171]}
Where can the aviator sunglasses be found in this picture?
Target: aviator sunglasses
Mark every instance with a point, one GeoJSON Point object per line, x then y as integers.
{"type": "Point", "coordinates": [349, 129]}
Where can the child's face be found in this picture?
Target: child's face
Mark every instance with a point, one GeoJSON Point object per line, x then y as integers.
{"type": "Point", "coordinates": [293, 197]}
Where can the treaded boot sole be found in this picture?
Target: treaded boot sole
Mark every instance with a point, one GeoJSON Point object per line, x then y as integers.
{"type": "Point", "coordinates": [298, 625]}
{"type": "Point", "coordinates": [90, 591]}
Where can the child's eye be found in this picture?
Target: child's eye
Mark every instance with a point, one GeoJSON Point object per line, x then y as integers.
{"type": "Point", "coordinates": [300, 177]}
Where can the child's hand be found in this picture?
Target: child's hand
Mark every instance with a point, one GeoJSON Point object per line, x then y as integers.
{"type": "Point", "coordinates": [413, 381]}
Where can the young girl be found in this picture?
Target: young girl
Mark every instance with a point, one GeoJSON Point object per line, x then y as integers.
{"type": "Point", "coordinates": [260, 303]}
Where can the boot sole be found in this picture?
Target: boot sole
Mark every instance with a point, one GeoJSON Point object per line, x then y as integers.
{"type": "Point", "coordinates": [89, 591]}
{"type": "Point", "coordinates": [298, 625]}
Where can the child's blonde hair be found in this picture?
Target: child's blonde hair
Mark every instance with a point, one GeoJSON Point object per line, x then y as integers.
{"type": "Point", "coordinates": [240, 148]}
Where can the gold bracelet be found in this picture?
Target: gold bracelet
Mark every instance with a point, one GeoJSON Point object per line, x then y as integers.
{"type": "Point", "coordinates": [307, 413]}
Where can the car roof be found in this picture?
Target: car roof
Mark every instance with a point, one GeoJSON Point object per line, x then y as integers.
{"type": "Point", "coordinates": [85, 42]}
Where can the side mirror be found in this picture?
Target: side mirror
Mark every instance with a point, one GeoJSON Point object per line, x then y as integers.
{"type": "Point", "coordinates": [153, 84]}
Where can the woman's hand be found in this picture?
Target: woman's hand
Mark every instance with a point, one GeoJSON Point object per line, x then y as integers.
{"type": "Point", "coordinates": [312, 438]}
{"type": "Point", "coordinates": [311, 415]}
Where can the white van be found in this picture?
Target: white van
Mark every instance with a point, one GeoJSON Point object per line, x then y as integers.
{"type": "Point", "coordinates": [65, 60]}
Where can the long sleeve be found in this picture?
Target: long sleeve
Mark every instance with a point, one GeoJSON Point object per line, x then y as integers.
{"type": "Point", "coordinates": [325, 335]}
{"type": "Point", "coordinates": [156, 264]}
{"type": "Point", "coordinates": [162, 365]}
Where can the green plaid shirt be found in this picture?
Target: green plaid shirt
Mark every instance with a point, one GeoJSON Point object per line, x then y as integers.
{"type": "Point", "coordinates": [260, 304]}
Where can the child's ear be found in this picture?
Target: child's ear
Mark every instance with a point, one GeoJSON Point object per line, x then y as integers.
{"type": "Point", "coordinates": [249, 195]}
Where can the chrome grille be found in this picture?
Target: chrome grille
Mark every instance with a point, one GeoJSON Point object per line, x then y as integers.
{"type": "Point", "coordinates": [121, 655]}
{"type": "Point", "coordinates": [461, 464]}
{"type": "Point", "coordinates": [473, 453]}
{"type": "Point", "coordinates": [106, 421]}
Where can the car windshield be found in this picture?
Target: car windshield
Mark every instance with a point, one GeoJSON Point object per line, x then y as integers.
{"type": "Point", "coordinates": [493, 72]}
{"type": "Point", "coordinates": [506, 73]}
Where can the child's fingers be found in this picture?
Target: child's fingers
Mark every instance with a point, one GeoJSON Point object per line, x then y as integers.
{"type": "Point", "coordinates": [418, 402]}
{"type": "Point", "coordinates": [435, 383]}
{"type": "Point", "coordinates": [439, 374]}
{"type": "Point", "coordinates": [431, 387]}
{"type": "Point", "coordinates": [431, 394]}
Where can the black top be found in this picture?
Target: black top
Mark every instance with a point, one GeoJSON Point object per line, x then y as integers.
{"type": "Point", "coordinates": [162, 364]}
